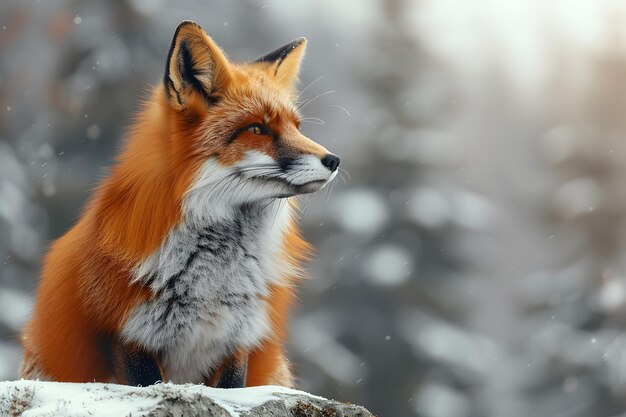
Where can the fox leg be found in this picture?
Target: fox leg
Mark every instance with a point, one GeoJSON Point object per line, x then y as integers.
{"type": "Point", "coordinates": [282, 374]}
{"type": "Point", "coordinates": [30, 368]}
{"type": "Point", "coordinates": [64, 350]}
{"type": "Point", "coordinates": [136, 366]}
{"type": "Point", "coordinates": [269, 366]}
{"type": "Point", "coordinates": [234, 371]}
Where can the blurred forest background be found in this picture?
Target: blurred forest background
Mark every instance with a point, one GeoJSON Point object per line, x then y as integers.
{"type": "Point", "coordinates": [472, 264]}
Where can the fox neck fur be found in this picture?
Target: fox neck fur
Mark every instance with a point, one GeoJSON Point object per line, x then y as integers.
{"type": "Point", "coordinates": [210, 280]}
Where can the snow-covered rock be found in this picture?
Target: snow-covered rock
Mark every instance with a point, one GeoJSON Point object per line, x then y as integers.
{"type": "Point", "coordinates": [37, 398]}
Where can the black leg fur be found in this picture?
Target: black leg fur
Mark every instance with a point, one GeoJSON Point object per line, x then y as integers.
{"type": "Point", "coordinates": [140, 368]}
{"type": "Point", "coordinates": [234, 374]}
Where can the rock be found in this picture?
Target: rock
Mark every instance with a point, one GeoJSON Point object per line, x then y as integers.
{"type": "Point", "coordinates": [164, 400]}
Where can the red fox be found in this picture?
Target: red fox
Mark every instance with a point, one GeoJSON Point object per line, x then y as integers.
{"type": "Point", "coordinates": [182, 266]}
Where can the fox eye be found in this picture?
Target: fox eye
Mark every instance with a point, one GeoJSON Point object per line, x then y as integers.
{"type": "Point", "coordinates": [255, 130]}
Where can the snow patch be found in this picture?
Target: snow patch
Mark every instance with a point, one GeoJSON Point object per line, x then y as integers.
{"type": "Point", "coordinates": [39, 398]}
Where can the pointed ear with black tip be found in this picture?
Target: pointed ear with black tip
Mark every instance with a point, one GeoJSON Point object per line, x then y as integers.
{"type": "Point", "coordinates": [195, 65]}
{"type": "Point", "coordinates": [284, 63]}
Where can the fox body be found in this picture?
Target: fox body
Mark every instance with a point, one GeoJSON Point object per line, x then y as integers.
{"type": "Point", "coordinates": [182, 266]}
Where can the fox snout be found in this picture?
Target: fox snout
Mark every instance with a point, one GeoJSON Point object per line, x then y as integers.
{"type": "Point", "coordinates": [331, 161]}
{"type": "Point", "coordinates": [304, 161]}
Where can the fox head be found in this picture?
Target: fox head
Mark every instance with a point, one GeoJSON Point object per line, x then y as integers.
{"type": "Point", "coordinates": [240, 122]}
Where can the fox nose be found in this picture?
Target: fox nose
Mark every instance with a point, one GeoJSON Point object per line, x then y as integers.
{"type": "Point", "coordinates": [331, 162]}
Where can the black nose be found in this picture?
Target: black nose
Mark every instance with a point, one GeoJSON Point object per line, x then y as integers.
{"type": "Point", "coordinates": [331, 162]}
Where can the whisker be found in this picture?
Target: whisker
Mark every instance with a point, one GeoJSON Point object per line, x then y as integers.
{"type": "Point", "coordinates": [341, 170]}
{"type": "Point", "coordinates": [313, 120]}
{"type": "Point", "coordinates": [239, 188]}
{"type": "Point", "coordinates": [309, 86]}
{"type": "Point", "coordinates": [310, 100]}
{"type": "Point", "coordinates": [276, 213]}
{"type": "Point", "coordinates": [271, 200]}
{"type": "Point", "coordinates": [330, 190]}
{"type": "Point", "coordinates": [268, 170]}
{"type": "Point", "coordinates": [339, 107]}
{"type": "Point", "coordinates": [218, 183]}
{"type": "Point", "coordinates": [225, 185]}
{"type": "Point", "coordinates": [343, 178]}
{"type": "Point", "coordinates": [306, 204]}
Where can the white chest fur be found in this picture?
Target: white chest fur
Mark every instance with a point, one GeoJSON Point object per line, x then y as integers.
{"type": "Point", "coordinates": [210, 280]}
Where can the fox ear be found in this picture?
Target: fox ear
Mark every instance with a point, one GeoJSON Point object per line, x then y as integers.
{"type": "Point", "coordinates": [284, 63]}
{"type": "Point", "coordinates": [195, 65]}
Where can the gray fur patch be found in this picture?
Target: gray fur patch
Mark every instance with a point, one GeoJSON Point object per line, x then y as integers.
{"type": "Point", "coordinates": [209, 282]}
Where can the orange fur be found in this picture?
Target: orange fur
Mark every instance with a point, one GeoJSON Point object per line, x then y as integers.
{"type": "Point", "coordinates": [268, 358]}
{"type": "Point", "coordinates": [87, 291]}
